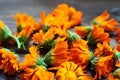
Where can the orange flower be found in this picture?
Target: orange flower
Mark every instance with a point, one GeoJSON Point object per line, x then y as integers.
{"type": "Point", "coordinates": [103, 50]}
{"type": "Point", "coordinates": [58, 54]}
{"type": "Point", "coordinates": [39, 73]}
{"type": "Point", "coordinates": [71, 71]}
{"type": "Point", "coordinates": [6, 34]}
{"type": "Point", "coordinates": [83, 30]}
{"type": "Point", "coordinates": [115, 75]}
{"type": "Point", "coordinates": [102, 21]}
{"type": "Point", "coordinates": [118, 34]}
{"type": "Point", "coordinates": [32, 60]}
{"type": "Point", "coordinates": [63, 15]}
{"type": "Point", "coordinates": [104, 67]}
{"type": "Point", "coordinates": [98, 35]}
{"type": "Point", "coordinates": [8, 61]}
{"type": "Point", "coordinates": [80, 53]}
{"type": "Point", "coordinates": [23, 20]}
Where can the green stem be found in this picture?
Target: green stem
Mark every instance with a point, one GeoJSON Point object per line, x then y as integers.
{"type": "Point", "coordinates": [17, 41]}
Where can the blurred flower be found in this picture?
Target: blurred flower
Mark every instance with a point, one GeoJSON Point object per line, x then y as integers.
{"type": "Point", "coordinates": [71, 71]}
{"type": "Point", "coordinates": [103, 49]}
{"type": "Point", "coordinates": [62, 15]}
{"type": "Point", "coordinates": [102, 21]}
{"type": "Point", "coordinates": [98, 35]}
{"type": "Point", "coordinates": [8, 61]}
{"type": "Point", "coordinates": [58, 54]}
{"type": "Point", "coordinates": [83, 31]}
{"type": "Point", "coordinates": [38, 73]}
{"type": "Point", "coordinates": [23, 20]}
{"type": "Point", "coordinates": [32, 60]}
{"type": "Point", "coordinates": [80, 53]}
{"type": "Point", "coordinates": [104, 66]}
{"type": "Point", "coordinates": [6, 34]}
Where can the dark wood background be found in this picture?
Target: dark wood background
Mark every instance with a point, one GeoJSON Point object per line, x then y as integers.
{"type": "Point", "coordinates": [90, 9]}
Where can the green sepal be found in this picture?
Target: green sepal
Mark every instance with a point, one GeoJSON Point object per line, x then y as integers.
{"type": "Point", "coordinates": [115, 73]}
{"type": "Point", "coordinates": [117, 56]}
{"type": "Point", "coordinates": [48, 58]}
{"type": "Point", "coordinates": [94, 22]}
{"type": "Point", "coordinates": [94, 60]}
{"type": "Point", "coordinates": [91, 56]}
{"type": "Point", "coordinates": [89, 28]}
{"type": "Point", "coordinates": [72, 36]}
{"type": "Point", "coordinates": [41, 62]}
{"type": "Point", "coordinates": [45, 28]}
{"type": "Point", "coordinates": [91, 39]}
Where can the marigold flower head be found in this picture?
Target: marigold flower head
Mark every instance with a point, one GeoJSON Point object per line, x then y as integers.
{"type": "Point", "coordinates": [80, 53]}
{"type": "Point", "coordinates": [32, 60]}
{"type": "Point", "coordinates": [6, 34]}
{"type": "Point", "coordinates": [83, 30]}
{"type": "Point", "coordinates": [102, 21]}
{"type": "Point", "coordinates": [39, 73]}
{"type": "Point", "coordinates": [8, 61]}
{"type": "Point", "coordinates": [98, 35]}
{"type": "Point", "coordinates": [58, 54]}
{"type": "Point", "coordinates": [104, 66]}
{"type": "Point", "coordinates": [71, 71]}
{"type": "Point", "coordinates": [103, 49]}
{"type": "Point", "coordinates": [23, 20]}
{"type": "Point", "coordinates": [62, 15]}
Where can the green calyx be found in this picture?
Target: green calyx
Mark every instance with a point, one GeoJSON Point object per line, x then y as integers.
{"type": "Point", "coordinates": [117, 56]}
{"type": "Point", "coordinates": [45, 28]}
{"type": "Point", "coordinates": [91, 39]}
{"type": "Point", "coordinates": [6, 33]}
{"type": "Point", "coordinates": [94, 22]}
{"type": "Point", "coordinates": [72, 36]}
{"type": "Point", "coordinates": [89, 28]}
{"type": "Point", "coordinates": [94, 60]}
{"type": "Point", "coordinates": [115, 73]}
{"type": "Point", "coordinates": [48, 58]}
{"type": "Point", "coordinates": [41, 62]}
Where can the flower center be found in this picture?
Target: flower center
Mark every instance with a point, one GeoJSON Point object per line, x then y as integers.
{"type": "Point", "coordinates": [70, 75]}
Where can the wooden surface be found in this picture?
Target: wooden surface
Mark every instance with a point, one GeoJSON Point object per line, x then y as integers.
{"type": "Point", "coordinates": [90, 9]}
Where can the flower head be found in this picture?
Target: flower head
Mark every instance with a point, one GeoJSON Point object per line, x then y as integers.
{"type": "Point", "coordinates": [80, 53]}
{"type": "Point", "coordinates": [58, 54]}
{"type": "Point", "coordinates": [71, 71]}
{"type": "Point", "coordinates": [8, 61]}
{"type": "Point", "coordinates": [83, 30]}
{"type": "Point", "coordinates": [23, 20]}
{"type": "Point", "coordinates": [38, 73]}
{"type": "Point", "coordinates": [104, 66]}
{"type": "Point", "coordinates": [32, 60]}
{"type": "Point", "coordinates": [103, 50]}
{"type": "Point", "coordinates": [102, 21]}
{"type": "Point", "coordinates": [98, 35]}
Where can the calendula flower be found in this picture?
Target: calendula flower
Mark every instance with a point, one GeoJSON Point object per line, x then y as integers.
{"type": "Point", "coordinates": [58, 54]}
{"type": "Point", "coordinates": [24, 35]}
{"type": "Point", "coordinates": [103, 49]}
{"type": "Point", "coordinates": [32, 60]}
{"type": "Point", "coordinates": [71, 71]}
{"type": "Point", "coordinates": [62, 15]}
{"type": "Point", "coordinates": [80, 53]}
{"type": "Point", "coordinates": [98, 35]}
{"type": "Point", "coordinates": [82, 30]}
{"type": "Point", "coordinates": [39, 73]}
{"type": "Point", "coordinates": [8, 61]}
{"type": "Point", "coordinates": [23, 20]}
{"type": "Point", "coordinates": [104, 66]}
{"type": "Point", "coordinates": [6, 34]}
{"type": "Point", "coordinates": [104, 21]}
{"type": "Point", "coordinates": [44, 40]}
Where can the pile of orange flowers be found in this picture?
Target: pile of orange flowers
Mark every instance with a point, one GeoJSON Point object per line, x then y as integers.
{"type": "Point", "coordinates": [58, 53]}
